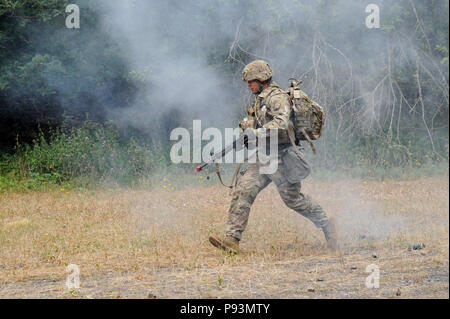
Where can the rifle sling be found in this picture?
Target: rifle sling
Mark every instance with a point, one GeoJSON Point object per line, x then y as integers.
{"type": "Point", "coordinates": [234, 179]}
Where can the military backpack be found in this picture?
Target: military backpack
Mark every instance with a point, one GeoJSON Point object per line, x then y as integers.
{"type": "Point", "coordinates": [307, 117]}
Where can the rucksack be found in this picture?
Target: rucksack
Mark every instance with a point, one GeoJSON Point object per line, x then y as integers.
{"type": "Point", "coordinates": [307, 117]}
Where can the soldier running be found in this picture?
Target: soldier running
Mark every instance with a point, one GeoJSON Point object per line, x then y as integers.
{"type": "Point", "coordinates": [271, 109]}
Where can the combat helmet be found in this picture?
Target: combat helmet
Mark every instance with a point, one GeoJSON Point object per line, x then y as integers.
{"type": "Point", "coordinates": [257, 70]}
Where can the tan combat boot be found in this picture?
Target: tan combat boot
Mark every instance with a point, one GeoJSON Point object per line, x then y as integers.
{"type": "Point", "coordinates": [331, 235]}
{"type": "Point", "coordinates": [228, 243]}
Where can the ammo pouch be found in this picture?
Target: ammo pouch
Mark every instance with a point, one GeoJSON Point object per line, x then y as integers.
{"type": "Point", "coordinates": [295, 168]}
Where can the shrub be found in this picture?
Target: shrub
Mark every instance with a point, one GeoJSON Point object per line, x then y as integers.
{"type": "Point", "coordinates": [92, 152]}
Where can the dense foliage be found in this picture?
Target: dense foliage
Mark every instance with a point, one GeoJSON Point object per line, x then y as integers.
{"type": "Point", "coordinates": [45, 72]}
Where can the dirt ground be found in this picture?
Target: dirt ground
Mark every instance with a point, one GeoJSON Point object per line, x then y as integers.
{"type": "Point", "coordinates": [152, 243]}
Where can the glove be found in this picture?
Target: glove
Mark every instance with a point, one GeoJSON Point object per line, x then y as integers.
{"type": "Point", "coordinates": [246, 123]}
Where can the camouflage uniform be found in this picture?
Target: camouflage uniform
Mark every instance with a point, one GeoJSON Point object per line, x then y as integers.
{"type": "Point", "coordinates": [271, 111]}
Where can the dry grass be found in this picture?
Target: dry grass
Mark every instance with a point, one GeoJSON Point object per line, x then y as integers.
{"type": "Point", "coordinates": [157, 237]}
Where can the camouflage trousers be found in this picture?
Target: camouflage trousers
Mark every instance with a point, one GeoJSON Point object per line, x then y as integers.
{"type": "Point", "coordinates": [252, 182]}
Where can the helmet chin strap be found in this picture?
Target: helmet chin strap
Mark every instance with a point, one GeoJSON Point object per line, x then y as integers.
{"type": "Point", "coordinates": [260, 87]}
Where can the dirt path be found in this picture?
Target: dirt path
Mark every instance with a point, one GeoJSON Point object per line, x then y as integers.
{"type": "Point", "coordinates": [403, 274]}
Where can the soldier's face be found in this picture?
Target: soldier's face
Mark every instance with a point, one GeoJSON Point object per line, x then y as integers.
{"type": "Point", "coordinates": [254, 86]}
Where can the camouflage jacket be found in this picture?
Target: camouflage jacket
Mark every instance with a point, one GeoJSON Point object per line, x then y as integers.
{"type": "Point", "coordinates": [271, 109]}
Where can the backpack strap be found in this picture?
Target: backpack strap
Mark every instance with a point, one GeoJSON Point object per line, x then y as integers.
{"type": "Point", "coordinates": [309, 140]}
{"type": "Point", "coordinates": [291, 135]}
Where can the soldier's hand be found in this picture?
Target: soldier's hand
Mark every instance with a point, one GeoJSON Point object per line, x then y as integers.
{"type": "Point", "coordinates": [246, 123]}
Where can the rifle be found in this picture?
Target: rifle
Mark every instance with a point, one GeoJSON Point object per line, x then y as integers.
{"type": "Point", "coordinates": [242, 139]}
{"type": "Point", "coordinates": [214, 157]}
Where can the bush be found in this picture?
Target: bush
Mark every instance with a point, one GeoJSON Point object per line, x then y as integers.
{"type": "Point", "coordinates": [91, 153]}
